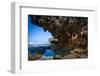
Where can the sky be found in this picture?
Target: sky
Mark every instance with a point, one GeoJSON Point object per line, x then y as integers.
{"type": "Point", "coordinates": [36, 34]}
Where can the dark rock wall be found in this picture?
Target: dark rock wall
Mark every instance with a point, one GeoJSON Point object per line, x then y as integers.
{"type": "Point", "coordinates": [68, 32]}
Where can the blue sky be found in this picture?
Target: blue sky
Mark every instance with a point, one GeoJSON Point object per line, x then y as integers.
{"type": "Point", "coordinates": [36, 34]}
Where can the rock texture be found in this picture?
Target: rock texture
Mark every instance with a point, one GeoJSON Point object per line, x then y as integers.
{"type": "Point", "coordinates": [68, 34]}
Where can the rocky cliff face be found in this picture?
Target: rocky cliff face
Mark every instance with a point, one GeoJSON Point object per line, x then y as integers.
{"type": "Point", "coordinates": [68, 33]}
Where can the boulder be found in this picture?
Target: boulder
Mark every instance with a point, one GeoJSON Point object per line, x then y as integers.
{"type": "Point", "coordinates": [57, 57]}
{"type": "Point", "coordinates": [43, 57]}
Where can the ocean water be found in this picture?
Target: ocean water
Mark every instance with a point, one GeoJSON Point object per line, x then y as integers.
{"type": "Point", "coordinates": [44, 50]}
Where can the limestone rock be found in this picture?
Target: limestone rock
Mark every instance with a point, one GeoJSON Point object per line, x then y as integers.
{"type": "Point", "coordinates": [43, 57]}
{"type": "Point", "coordinates": [34, 57]}
{"type": "Point", "coordinates": [57, 57]}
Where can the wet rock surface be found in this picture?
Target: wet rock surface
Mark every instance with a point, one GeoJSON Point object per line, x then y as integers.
{"type": "Point", "coordinates": [46, 57]}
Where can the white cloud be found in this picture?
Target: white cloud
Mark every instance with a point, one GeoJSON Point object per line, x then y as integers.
{"type": "Point", "coordinates": [39, 42]}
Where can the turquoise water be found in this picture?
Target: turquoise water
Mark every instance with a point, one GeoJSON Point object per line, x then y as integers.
{"type": "Point", "coordinates": [44, 50]}
{"type": "Point", "coordinates": [49, 52]}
